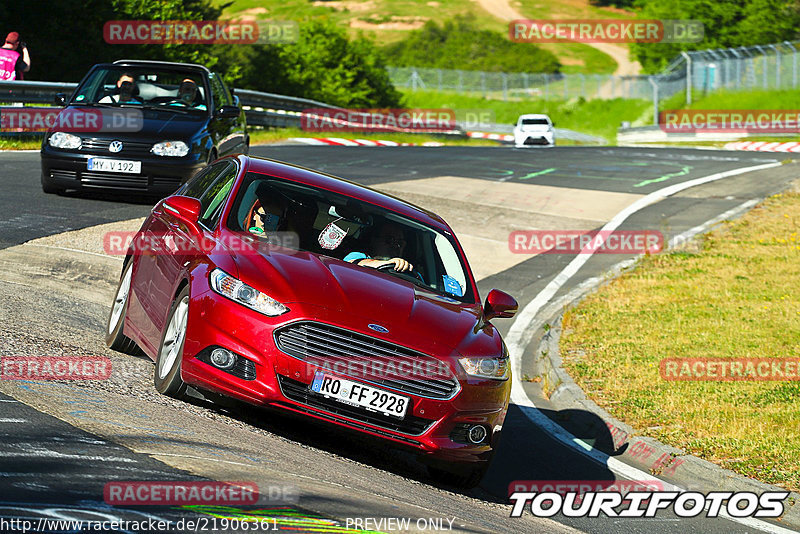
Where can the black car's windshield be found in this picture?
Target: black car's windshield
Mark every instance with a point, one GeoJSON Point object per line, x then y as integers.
{"type": "Point", "coordinates": [350, 230]}
{"type": "Point", "coordinates": [143, 87]}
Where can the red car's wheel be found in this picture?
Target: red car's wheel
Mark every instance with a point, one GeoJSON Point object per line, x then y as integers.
{"type": "Point", "coordinates": [115, 339]}
{"type": "Point", "coordinates": [167, 376]}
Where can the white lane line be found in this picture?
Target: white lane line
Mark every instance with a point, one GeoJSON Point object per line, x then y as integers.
{"type": "Point", "coordinates": [519, 335]}
{"type": "Point", "coordinates": [47, 453]}
{"type": "Point", "coordinates": [107, 256]}
{"type": "Point", "coordinates": [7, 400]}
{"type": "Point", "coordinates": [12, 420]}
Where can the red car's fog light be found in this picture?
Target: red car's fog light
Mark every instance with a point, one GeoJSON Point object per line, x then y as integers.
{"type": "Point", "coordinates": [223, 359]}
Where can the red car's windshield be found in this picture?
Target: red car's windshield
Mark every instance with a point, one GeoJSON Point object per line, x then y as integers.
{"type": "Point", "coordinates": [349, 229]}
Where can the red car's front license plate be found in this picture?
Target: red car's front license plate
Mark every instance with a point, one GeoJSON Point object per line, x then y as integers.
{"type": "Point", "coordinates": [358, 394]}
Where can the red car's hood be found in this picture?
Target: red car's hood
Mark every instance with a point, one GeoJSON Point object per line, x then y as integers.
{"type": "Point", "coordinates": [360, 296]}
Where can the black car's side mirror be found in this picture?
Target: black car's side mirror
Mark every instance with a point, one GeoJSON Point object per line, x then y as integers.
{"type": "Point", "coordinates": [228, 112]}
{"type": "Point", "coordinates": [60, 99]}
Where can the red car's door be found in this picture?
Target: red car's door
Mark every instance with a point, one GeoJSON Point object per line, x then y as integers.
{"type": "Point", "coordinates": [181, 246]}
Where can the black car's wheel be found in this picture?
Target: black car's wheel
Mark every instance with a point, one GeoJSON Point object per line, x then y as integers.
{"type": "Point", "coordinates": [115, 339]}
{"type": "Point", "coordinates": [167, 375]}
{"type": "Point", "coordinates": [50, 189]}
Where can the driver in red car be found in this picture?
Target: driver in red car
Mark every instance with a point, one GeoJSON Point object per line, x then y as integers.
{"type": "Point", "coordinates": [387, 245]}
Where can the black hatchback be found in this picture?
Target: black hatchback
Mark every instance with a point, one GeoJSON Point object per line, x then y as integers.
{"type": "Point", "coordinates": [144, 126]}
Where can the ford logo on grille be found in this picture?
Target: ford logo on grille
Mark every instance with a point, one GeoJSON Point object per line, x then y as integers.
{"type": "Point", "coordinates": [379, 328]}
{"type": "Point", "coordinates": [115, 146]}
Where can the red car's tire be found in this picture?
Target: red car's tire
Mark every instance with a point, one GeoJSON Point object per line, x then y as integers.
{"type": "Point", "coordinates": [115, 338]}
{"type": "Point", "coordinates": [167, 374]}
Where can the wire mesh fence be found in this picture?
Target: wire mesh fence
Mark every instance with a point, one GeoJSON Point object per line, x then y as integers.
{"type": "Point", "coordinates": [769, 67]}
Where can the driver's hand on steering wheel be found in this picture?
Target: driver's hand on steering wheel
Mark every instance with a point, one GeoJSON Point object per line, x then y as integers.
{"type": "Point", "coordinates": [400, 264]}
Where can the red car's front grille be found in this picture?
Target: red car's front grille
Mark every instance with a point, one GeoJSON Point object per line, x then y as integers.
{"type": "Point", "coordinates": [348, 352]}
{"type": "Point", "coordinates": [299, 392]}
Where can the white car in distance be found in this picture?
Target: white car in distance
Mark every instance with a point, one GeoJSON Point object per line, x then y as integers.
{"type": "Point", "coordinates": [534, 129]}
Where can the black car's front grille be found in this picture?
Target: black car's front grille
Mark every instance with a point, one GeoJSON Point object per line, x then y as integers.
{"type": "Point", "coordinates": [137, 182]}
{"type": "Point", "coordinates": [106, 179]}
{"type": "Point", "coordinates": [299, 392]}
{"type": "Point", "coordinates": [95, 145]}
{"type": "Point", "coordinates": [370, 359]}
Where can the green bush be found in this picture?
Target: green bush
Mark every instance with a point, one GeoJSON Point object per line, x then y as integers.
{"type": "Point", "coordinates": [323, 65]}
{"type": "Point", "coordinates": [461, 44]}
{"type": "Point", "coordinates": [728, 23]}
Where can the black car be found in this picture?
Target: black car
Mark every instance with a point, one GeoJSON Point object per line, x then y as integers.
{"type": "Point", "coordinates": [159, 123]}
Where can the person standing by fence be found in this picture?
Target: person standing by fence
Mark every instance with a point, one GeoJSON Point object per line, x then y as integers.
{"type": "Point", "coordinates": [14, 58]}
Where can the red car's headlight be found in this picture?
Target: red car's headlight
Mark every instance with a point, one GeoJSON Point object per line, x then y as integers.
{"type": "Point", "coordinates": [494, 368]}
{"type": "Point", "coordinates": [236, 290]}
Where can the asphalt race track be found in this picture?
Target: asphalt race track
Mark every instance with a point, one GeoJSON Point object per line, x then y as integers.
{"type": "Point", "coordinates": [61, 443]}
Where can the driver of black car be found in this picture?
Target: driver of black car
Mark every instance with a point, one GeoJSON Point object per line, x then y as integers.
{"type": "Point", "coordinates": [187, 92]}
{"type": "Point", "coordinates": [387, 245]}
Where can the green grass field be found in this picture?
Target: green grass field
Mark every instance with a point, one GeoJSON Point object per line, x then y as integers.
{"type": "Point", "coordinates": [734, 295]}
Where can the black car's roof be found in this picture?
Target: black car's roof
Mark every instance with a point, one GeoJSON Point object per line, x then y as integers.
{"type": "Point", "coordinates": [146, 62]}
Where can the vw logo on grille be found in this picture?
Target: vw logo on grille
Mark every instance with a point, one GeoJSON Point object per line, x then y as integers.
{"type": "Point", "coordinates": [379, 328]}
{"type": "Point", "coordinates": [115, 146]}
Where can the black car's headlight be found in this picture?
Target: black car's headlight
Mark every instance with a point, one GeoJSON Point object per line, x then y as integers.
{"type": "Point", "coordinates": [170, 148]}
{"type": "Point", "coordinates": [236, 290]}
{"type": "Point", "coordinates": [493, 368]}
{"type": "Point", "coordinates": [64, 140]}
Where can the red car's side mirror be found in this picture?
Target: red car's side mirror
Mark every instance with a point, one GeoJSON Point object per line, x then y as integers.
{"type": "Point", "coordinates": [499, 304]}
{"type": "Point", "coordinates": [186, 209]}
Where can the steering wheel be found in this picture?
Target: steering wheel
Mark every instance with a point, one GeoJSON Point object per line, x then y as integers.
{"type": "Point", "coordinates": [389, 268]}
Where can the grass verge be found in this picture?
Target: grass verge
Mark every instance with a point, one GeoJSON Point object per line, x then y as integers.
{"type": "Point", "coordinates": [26, 142]}
{"type": "Point", "coordinates": [597, 117]}
{"type": "Point", "coordinates": [735, 295]}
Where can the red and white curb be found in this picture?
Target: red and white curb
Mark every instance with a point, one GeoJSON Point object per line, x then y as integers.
{"type": "Point", "coordinates": [764, 146]}
{"type": "Point", "coordinates": [339, 141]}
{"type": "Point", "coordinates": [492, 136]}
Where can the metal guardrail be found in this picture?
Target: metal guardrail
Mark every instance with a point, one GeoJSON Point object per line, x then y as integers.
{"type": "Point", "coordinates": [262, 109]}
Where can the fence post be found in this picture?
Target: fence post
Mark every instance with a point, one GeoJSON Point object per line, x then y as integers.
{"type": "Point", "coordinates": [688, 78]}
{"type": "Point", "coordinates": [655, 98]}
{"type": "Point", "coordinates": [583, 85]}
{"type": "Point", "coordinates": [483, 84]}
{"type": "Point", "coordinates": [504, 76]}
{"type": "Point", "coordinates": [414, 79]}
{"type": "Point", "coordinates": [777, 66]}
{"type": "Point", "coordinates": [794, 62]}
{"type": "Point", "coordinates": [546, 83]}
{"type": "Point", "coordinates": [566, 88]}
{"type": "Point", "coordinates": [440, 79]}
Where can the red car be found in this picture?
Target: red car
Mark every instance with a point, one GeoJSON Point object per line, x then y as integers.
{"type": "Point", "coordinates": [288, 288]}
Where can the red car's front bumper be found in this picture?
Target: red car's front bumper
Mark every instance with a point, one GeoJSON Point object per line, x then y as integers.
{"type": "Point", "coordinates": [433, 426]}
